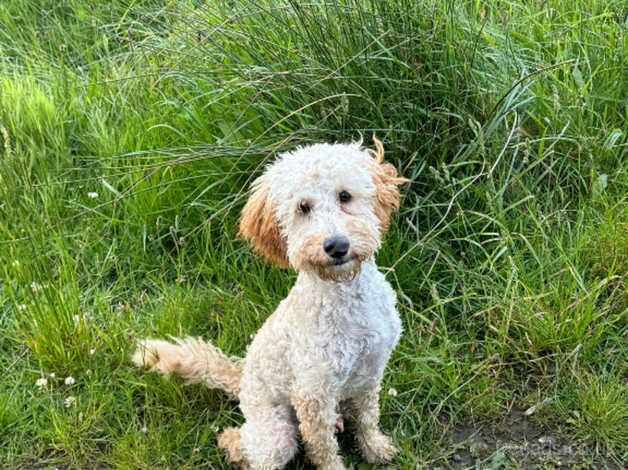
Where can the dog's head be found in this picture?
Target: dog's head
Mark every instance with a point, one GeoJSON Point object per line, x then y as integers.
{"type": "Point", "coordinates": [322, 208]}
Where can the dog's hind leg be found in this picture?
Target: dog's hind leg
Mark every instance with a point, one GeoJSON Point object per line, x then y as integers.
{"type": "Point", "coordinates": [268, 438]}
{"type": "Point", "coordinates": [195, 360]}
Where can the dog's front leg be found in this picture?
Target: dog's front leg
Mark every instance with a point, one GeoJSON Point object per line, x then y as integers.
{"type": "Point", "coordinates": [317, 424]}
{"type": "Point", "coordinates": [375, 446]}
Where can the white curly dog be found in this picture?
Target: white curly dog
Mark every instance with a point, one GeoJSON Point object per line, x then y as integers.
{"type": "Point", "coordinates": [322, 210]}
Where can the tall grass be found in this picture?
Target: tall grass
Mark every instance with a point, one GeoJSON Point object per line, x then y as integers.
{"type": "Point", "coordinates": [130, 130]}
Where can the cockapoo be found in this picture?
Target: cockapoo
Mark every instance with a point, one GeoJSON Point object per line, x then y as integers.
{"type": "Point", "coordinates": [322, 210]}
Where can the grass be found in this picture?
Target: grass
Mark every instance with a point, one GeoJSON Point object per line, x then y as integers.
{"type": "Point", "coordinates": [128, 134]}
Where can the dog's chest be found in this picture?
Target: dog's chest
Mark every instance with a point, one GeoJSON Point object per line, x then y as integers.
{"type": "Point", "coordinates": [340, 335]}
{"type": "Point", "coordinates": [351, 333]}
{"type": "Point", "coordinates": [364, 342]}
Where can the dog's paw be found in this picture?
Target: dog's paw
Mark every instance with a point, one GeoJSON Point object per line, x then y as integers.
{"type": "Point", "coordinates": [229, 441]}
{"type": "Point", "coordinates": [377, 447]}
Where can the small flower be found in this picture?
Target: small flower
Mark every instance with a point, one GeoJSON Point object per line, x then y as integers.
{"type": "Point", "coordinates": [70, 401]}
{"type": "Point", "coordinates": [41, 382]}
{"type": "Point", "coordinates": [392, 392]}
{"type": "Point", "coordinates": [52, 375]}
{"type": "Point", "coordinates": [196, 450]}
{"type": "Point", "coordinates": [69, 381]}
{"type": "Point", "coordinates": [92, 352]}
{"type": "Point", "coordinates": [92, 194]}
{"type": "Point", "coordinates": [144, 429]}
{"type": "Point", "coordinates": [36, 286]}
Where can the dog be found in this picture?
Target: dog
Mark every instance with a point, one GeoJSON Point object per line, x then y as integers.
{"type": "Point", "coordinates": [322, 210]}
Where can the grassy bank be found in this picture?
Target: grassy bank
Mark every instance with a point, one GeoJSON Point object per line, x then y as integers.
{"type": "Point", "coordinates": [129, 132]}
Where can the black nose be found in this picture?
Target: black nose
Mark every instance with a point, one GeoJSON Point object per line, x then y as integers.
{"type": "Point", "coordinates": [336, 246]}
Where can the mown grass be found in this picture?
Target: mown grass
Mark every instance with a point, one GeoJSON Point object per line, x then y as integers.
{"type": "Point", "coordinates": [129, 131]}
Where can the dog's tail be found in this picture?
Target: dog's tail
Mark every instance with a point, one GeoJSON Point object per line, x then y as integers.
{"type": "Point", "coordinates": [195, 360]}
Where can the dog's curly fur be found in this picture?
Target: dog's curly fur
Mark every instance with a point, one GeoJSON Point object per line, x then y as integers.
{"type": "Point", "coordinates": [323, 352]}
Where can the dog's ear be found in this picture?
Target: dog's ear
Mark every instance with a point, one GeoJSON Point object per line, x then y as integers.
{"type": "Point", "coordinates": [387, 184]}
{"type": "Point", "coordinates": [259, 225]}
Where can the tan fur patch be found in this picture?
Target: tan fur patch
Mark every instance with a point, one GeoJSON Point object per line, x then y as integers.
{"type": "Point", "coordinates": [259, 225]}
{"type": "Point", "coordinates": [194, 360]}
{"type": "Point", "coordinates": [310, 253]}
{"type": "Point", "coordinates": [230, 442]}
{"type": "Point", "coordinates": [364, 239]}
{"type": "Point", "coordinates": [386, 186]}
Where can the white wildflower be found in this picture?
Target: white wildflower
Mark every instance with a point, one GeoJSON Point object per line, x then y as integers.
{"type": "Point", "coordinates": [92, 351]}
{"type": "Point", "coordinates": [41, 382]}
{"type": "Point", "coordinates": [70, 401]}
{"type": "Point", "coordinates": [392, 392]}
{"type": "Point", "coordinates": [36, 286]}
{"type": "Point", "coordinates": [92, 195]}
{"type": "Point", "coordinates": [69, 380]}
{"type": "Point", "coordinates": [144, 429]}
{"type": "Point", "coordinates": [52, 375]}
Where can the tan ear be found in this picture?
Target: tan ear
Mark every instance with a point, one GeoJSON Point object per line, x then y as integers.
{"type": "Point", "coordinates": [386, 186]}
{"type": "Point", "coordinates": [259, 225]}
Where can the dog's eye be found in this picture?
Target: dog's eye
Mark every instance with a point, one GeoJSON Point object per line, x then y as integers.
{"type": "Point", "coordinates": [344, 196]}
{"type": "Point", "coordinates": [304, 208]}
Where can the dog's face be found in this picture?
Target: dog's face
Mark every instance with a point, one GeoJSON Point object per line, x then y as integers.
{"type": "Point", "coordinates": [322, 208]}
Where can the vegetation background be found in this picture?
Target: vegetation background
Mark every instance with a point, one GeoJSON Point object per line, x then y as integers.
{"type": "Point", "coordinates": [129, 131]}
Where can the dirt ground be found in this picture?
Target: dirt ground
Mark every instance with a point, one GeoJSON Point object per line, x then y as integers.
{"type": "Point", "coordinates": [517, 442]}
